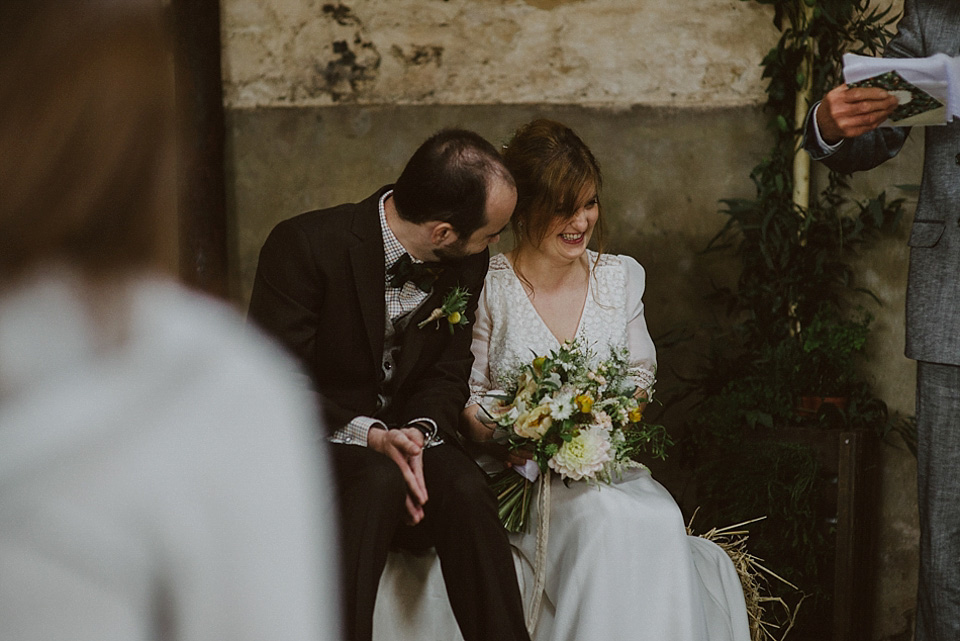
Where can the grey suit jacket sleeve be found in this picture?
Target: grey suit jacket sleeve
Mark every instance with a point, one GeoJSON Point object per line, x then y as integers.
{"type": "Point", "coordinates": [876, 147]}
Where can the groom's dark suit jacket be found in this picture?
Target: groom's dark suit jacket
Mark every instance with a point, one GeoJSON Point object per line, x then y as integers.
{"type": "Point", "coordinates": [319, 288]}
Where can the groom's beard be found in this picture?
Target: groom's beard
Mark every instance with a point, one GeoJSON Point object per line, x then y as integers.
{"type": "Point", "coordinates": [451, 254]}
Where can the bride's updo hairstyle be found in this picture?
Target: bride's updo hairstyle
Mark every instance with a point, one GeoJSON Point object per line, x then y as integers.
{"type": "Point", "coordinates": [552, 168]}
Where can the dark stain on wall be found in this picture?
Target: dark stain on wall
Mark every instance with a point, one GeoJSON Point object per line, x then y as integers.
{"type": "Point", "coordinates": [419, 55]}
{"type": "Point", "coordinates": [355, 62]}
{"type": "Point", "coordinates": [342, 14]}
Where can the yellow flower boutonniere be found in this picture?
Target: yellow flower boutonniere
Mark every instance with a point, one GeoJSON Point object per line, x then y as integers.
{"type": "Point", "coordinates": [453, 309]}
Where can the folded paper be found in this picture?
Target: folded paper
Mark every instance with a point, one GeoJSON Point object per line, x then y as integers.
{"type": "Point", "coordinates": [928, 89]}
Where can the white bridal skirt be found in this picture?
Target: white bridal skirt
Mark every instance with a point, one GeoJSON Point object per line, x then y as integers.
{"type": "Point", "coordinates": [619, 566]}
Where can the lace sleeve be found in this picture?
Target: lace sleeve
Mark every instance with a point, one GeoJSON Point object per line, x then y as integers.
{"type": "Point", "coordinates": [643, 353]}
{"type": "Point", "coordinates": [644, 379]}
{"type": "Point", "coordinates": [480, 374]}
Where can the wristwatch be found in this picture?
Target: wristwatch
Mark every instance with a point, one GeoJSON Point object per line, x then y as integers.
{"type": "Point", "coordinates": [427, 427]}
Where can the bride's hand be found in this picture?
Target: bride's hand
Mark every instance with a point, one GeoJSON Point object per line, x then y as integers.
{"type": "Point", "coordinates": [642, 395]}
{"type": "Point", "coordinates": [472, 427]}
{"type": "Point", "coordinates": [517, 457]}
{"type": "Point", "coordinates": [480, 434]}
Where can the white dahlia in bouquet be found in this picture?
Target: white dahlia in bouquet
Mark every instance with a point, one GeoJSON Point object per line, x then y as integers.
{"type": "Point", "coordinates": [580, 416]}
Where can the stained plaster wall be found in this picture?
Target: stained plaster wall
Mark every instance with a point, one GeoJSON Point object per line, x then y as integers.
{"type": "Point", "coordinates": [325, 102]}
{"type": "Point", "coordinates": [619, 52]}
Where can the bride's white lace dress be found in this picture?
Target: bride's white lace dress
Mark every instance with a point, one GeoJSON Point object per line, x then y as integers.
{"type": "Point", "coordinates": [619, 564]}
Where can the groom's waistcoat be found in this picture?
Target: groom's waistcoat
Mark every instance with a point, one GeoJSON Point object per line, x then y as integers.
{"type": "Point", "coordinates": [392, 354]}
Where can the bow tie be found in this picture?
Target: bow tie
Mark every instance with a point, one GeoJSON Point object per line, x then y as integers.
{"type": "Point", "coordinates": [422, 275]}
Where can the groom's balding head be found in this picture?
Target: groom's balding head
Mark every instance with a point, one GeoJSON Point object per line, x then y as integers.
{"type": "Point", "coordinates": [450, 178]}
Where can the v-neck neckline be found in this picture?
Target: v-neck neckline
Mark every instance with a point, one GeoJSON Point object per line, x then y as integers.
{"type": "Point", "coordinates": [543, 323]}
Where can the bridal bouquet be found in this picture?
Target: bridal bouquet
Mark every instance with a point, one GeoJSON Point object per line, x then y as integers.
{"type": "Point", "coordinates": [581, 418]}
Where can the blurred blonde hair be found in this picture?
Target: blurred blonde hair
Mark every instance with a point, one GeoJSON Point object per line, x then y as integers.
{"type": "Point", "coordinates": [87, 137]}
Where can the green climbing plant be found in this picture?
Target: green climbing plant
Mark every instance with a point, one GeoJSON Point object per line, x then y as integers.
{"type": "Point", "coordinates": [795, 323]}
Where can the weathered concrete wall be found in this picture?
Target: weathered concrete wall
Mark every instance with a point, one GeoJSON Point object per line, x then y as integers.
{"type": "Point", "coordinates": [621, 52]}
{"type": "Point", "coordinates": [326, 101]}
{"type": "Point", "coordinates": [663, 172]}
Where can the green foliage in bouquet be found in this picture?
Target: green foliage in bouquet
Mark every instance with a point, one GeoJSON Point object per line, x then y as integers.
{"type": "Point", "coordinates": [579, 416]}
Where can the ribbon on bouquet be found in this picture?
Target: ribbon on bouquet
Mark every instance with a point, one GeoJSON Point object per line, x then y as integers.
{"type": "Point", "coordinates": [531, 472]}
{"type": "Point", "coordinates": [540, 561]}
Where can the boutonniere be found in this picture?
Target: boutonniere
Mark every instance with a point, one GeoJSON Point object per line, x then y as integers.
{"type": "Point", "coordinates": [453, 309]}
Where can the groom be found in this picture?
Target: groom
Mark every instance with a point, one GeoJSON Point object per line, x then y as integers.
{"type": "Point", "coordinates": [347, 289]}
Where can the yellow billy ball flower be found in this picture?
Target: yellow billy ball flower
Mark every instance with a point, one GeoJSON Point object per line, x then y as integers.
{"type": "Point", "coordinates": [584, 403]}
{"type": "Point", "coordinates": [635, 415]}
{"type": "Point", "coordinates": [454, 318]}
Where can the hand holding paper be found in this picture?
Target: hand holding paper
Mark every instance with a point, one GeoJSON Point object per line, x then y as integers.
{"type": "Point", "coordinates": [927, 89]}
{"type": "Point", "coordinates": [848, 113]}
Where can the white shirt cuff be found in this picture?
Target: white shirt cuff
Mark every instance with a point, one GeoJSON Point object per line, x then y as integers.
{"type": "Point", "coordinates": [355, 432]}
{"type": "Point", "coordinates": [824, 146]}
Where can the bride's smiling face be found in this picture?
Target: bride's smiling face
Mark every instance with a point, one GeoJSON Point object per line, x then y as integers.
{"type": "Point", "coordinates": [567, 237]}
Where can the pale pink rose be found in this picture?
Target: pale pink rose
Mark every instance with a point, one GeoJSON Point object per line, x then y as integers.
{"type": "Point", "coordinates": [534, 424]}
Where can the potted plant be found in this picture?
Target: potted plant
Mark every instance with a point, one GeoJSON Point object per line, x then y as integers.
{"type": "Point", "coordinates": [827, 360]}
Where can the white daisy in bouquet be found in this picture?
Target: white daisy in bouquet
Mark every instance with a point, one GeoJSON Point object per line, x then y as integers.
{"type": "Point", "coordinates": [580, 416]}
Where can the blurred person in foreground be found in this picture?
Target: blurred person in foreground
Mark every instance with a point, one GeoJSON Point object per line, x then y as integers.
{"type": "Point", "coordinates": [158, 471]}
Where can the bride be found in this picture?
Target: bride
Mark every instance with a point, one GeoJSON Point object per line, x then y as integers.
{"type": "Point", "coordinates": [618, 564]}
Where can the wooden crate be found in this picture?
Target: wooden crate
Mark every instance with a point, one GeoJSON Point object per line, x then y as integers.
{"type": "Point", "coordinates": [850, 459]}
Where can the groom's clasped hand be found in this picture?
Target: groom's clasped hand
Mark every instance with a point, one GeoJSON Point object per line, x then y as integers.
{"type": "Point", "coordinates": [405, 448]}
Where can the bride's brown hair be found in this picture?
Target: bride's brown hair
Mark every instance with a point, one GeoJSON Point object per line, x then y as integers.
{"type": "Point", "coordinates": [552, 167]}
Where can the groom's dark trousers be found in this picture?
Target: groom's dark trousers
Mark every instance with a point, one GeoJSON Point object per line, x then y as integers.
{"type": "Point", "coordinates": [319, 289]}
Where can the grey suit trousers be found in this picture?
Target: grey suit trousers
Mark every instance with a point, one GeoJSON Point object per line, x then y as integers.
{"type": "Point", "coordinates": [938, 475]}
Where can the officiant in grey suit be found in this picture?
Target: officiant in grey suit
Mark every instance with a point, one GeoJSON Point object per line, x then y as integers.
{"type": "Point", "coordinates": [348, 290]}
{"type": "Point", "coordinates": [842, 131]}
